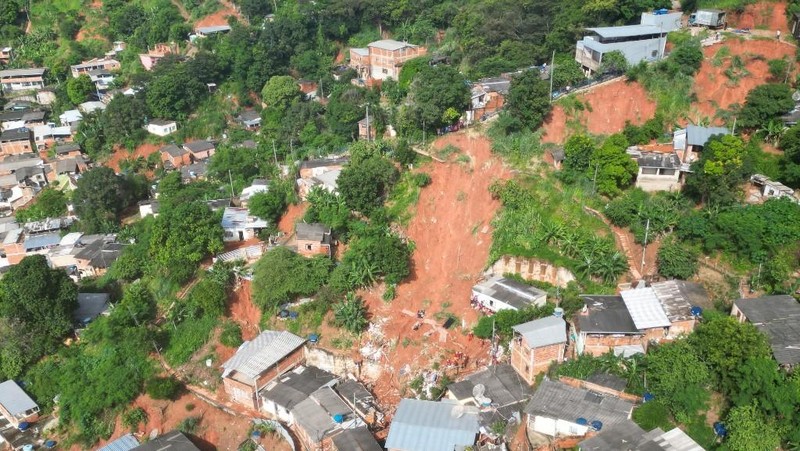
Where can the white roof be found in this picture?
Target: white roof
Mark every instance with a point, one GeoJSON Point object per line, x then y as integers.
{"type": "Point", "coordinates": [253, 189]}
{"type": "Point", "coordinates": [329, 178]}
{"type": "Point", "coordinates": [70, 116]}
{"type": "Point", "coordinates": [89, 107]}
{"type": "Point", "coordinates": [390, 44]}
{"type": "Point", "coordinates": [645, 308]}
{"type": "Point", "coordinates": [14, 400]}
{"type": "Point", "coordinates": [239, 218]}
{"type": "Point", "coordinates": [543, 332]}
{"type": "Point", "coordinates": [361, 51]}
{"type": "Point", "coordinates": [70, 239]}
{"type": "Point", "coordinates": [214, 29]}
{"type": "Point", "coordinates": [255, 356]}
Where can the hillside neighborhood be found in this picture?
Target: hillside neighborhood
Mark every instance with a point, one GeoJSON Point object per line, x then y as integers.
{"type": "Point", "coordinates": [406, 226]}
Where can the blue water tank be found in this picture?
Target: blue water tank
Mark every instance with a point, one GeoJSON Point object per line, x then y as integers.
{"type": "Point", "coordinates": [597, 425]}
{"type": "Point", "coordinates": [660, 12]}
{"type": "Point", "coordinates": [23, 426]}
{"type": "Point", "coordinates": [50, 444]}
{"type": "Point", "coordinates": [293, 315]}
{"type": "Point", "coordinates": [696, 311]}
{"type": "Point", "coordinates": [648, 397]}
{"type": "Point", "coordinates": [256, 435]}
{"type": "Point", "coordinates": [338, 418]}
{"type": "Point", "coordinates": [313, 338]}
{"type": "Point", "coordinates": [582, 421]}
{"type": "Point", "coordinates": [720, 430]}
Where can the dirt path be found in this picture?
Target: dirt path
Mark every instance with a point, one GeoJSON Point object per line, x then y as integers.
{"type": "Point", "coordinates": [633, 251]}
{"type": "Point", "coordinates": [182, 9]}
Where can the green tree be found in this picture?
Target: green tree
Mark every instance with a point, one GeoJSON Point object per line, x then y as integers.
{"type": "Point", "coordinates": [124, 118]}
{"type": "Point", "coordinates": [715, 177]}
{"type": "Point", "coordinates": [578, 151]}
{"type": "Point", "coordinates": [436, 90]}
{"type": "Point", "coordinates": [529, 99]}
{"type": "Point", "coordinates": [765, 103]}
{"type": "Point", "coordinates": [778, 69]}
{"type": "Point", "coordinates": [365, 184]}
{"type": "Point", "coordinates": [684, 391]}
{"type": "Point", "coordinates": [613, 62]}
{"type": "Point", "coordinates": [269, 206]}
{"type": "Point", "coordinates": [163, 388]}
{"type": "Point", "coordinates": [351, 313]}
{"type": "Point", "coordinates": [50, 203]}
{"type": "Point", "coordinates": [282, 275]}
{"type": "Point", "coordinates": [686, 58]}
{"type": "Point", "coordinates": [327, 208]}
{"type": "Point", "coordinates": [36, 304]}
{"type": "Point", "coordinates": [750, 430]}
{"type": "Point", "coordinates": [676, 261]}
{"type": "Point", "coordinates": [174, 92]}
{"type": "Point", "coordinates": [615, 168]}
{"type": "Point", "coordinates": [790, 164]}
{"type": "Point", "coordinates": [182, 236]}
{"type": "Point", "coordinates": [79, 89]}
{"type": "Point", "coordinates": [280, 92]}
{"type": "Point", "coordinates": [99, 199]}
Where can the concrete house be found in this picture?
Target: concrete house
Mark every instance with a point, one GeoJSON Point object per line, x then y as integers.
{"type": "Point", "coordinates": [498, 391]}
{"type": "Point", "coordinates": [487, 96]}
{"type": "Point", "coordinates": [16, 80]}
{"type": "Point", "coordinates": [280, 396]}
{"type": "Point", "coordinates": [174, 157]}
{"type": "Point", "coordinates": [256, 187]}
{"type": "Point", "coordinates": [95, 64]}
{"type": "Point", "coordinates": [17, 141]}
{"type": "Point", "coordinates": [258, 362]}
{"type": "Point", "coordinates": [557, 410]}
{"type": "Point", "coordinates": [383, 59]}
{"type": "Point", "coordinates": [15, 405]}
{"type": "Point", "coordinates": [200, 149]}
{"type": "Point", "coordinates": [70, 118]}
{"type": "Point", "coordinates": [313, 239]}
{"type": "Point", "coordinates": [322, 173]}
{"type": "Point", "coordinates": [538, 344]}
{"type": "Point", "coordinates": [156, 54]}
{"type": "Point", "coordinates": [680, 300]}
{"type": "Point", "coordinates": [249, 119]}
{"type": "Point", "coordinates": [23, 117]}
{"type": "Point", "coordinates": [658, 171]}
{"type": "Point", "coordinates": [366, 129]}
{"type": "Point", "coordinates": [770, 188]}
{"type": "Point", "coordinates": [239, 225]}
{"type": "Point", "coordinates": [432, 426]}
{"type": "Point", "coordinates": [320, 417]}
{"type": "Point", "coordinates": [98, 254]}
{"type": "Point", "coordinates": [499, 293]}
{"type": "Point", "coordinates": [6, 53]}
{"type": "Point", "coordinates": [777, 317]}
{"type": "Point", "coordinates": [161, 127]}
{"type": "Point", "coordinates": [643, 42]}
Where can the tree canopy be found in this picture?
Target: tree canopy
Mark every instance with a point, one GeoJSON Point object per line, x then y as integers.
{"type": "Point", "coordinates": [100, 197]}
{"type": "Point", "coordinates": [529, 99]}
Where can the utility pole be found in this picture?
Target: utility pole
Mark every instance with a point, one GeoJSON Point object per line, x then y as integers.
{"type": "Point", "coordinates": [274, 152]}
{"type": "Point", "coordinates": [552, 68]}
{"type": "Point", "coordinates": [423, 133]}
{"type": "Point", "coordinates": [594, 179]}
{"type": "Point", "coordinates": [733, 132]}
{"type": "Point", "coordinates": [369, 136]}
{"type": "Point", "coordinates": [644, 248]}
{"type": "Point", "coordinates": [230, 178]}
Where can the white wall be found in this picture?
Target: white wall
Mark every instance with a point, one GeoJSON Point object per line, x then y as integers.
{"type": "Point", "coordinates": [554, 427]}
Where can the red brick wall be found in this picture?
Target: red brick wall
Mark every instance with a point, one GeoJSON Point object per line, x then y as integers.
{"type": "Point", "coordinates": [17, 147]}
{"type": "Point", "coordinates": [317, 248]}
{"type": "Point", "coordinates": [598, 388]}
{"type": "Point", "coordinates": [600, 344]}
{"type": "Point", "coordinates": [231, 385]}
{"type": "Point", "coordinates": [530, 362]}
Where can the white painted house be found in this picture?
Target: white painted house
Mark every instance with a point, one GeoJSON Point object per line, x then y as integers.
{"type": "Point", "coordinates": [239, 225]}
{"type": "Point", "coordinates": [161, 127]}
{"type": "Point", "coordinates": [499, 293]}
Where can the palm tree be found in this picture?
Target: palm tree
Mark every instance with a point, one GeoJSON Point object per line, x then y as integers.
{"type": "Point", "coordinates": [610, 267]}
{"type": "Point", "coordinates": [772, 132]}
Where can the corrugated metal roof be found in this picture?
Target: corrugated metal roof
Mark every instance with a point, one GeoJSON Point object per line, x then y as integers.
{"type": "Point", "coordinates": [645, 308]}
{"type": "Point", "coordinates": [626, 31]}
{"type": "Point", "coordinates": [40, 241]}
{"type": "Point", "coordinates": [356, 439]}
{"type": "Point", "coordinates": [391, 44]}
{"type": "Point", "coordinates": [678, 296]}
{"type": "Point", "coordinates": [125, 443]}
{"type": "Point", "coordinates": [261, 353]}
{"type": "Point", "coordinates": [14, 399]}
{"type": "Point", "coordinates": [315, 415]}
{"type": "Point", "coordinates": [432, 426]}
{"type": "Point", "coordinates": [674, 440]}
{"type": "Point", "coordinates": [543, 331]}
{"type": "Point", "coordinates": [297, 385]}
{"type": "Point", "coordinates": [511, 292]}
{"type": "Point", "coordinates": [699, 136]}
{"type": "Point", "coordinates": [779, 318]}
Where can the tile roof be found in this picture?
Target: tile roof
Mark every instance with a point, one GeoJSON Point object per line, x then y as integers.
{"type": "Point", "coordinates": [296, 386]}
{"type": "Point", "coordinates": [511, 292]}
{"type": "Point", "coordinates": [308, 164]}
{"type": "Point", "coordinates": [16, 134]}
{"type": "Point", "coordinates": [432, 426]}
{"type": "Point", "coordinates": [561, 401]}
{"type": "Point", "coordinates": [645, 308]}
{"type": "Point", "coordinates": [543, 332]}
{"type": "Point", "coordinates": [14, 399]}
{"type": "Point", "coordinates": [41, 241]}
{"type": "Point", "coordinates": [173, 150]}
{"type": "Point", "coordinates": [259, 354]}
{"type": "Point", "coordinates": [501, 384]}
{"type": "Point", "coordinates": [199, 146]}
{"type": "Point", "coordinates": [606, 315]}
{"type": "Point", "coordinates": [102, 252]}
{"type": "Point", "coordinates": [312, 231]}
{"type": "Point", "coordinates": [22, 72]}
{"type": "Point", "coordinates": [315, 415]}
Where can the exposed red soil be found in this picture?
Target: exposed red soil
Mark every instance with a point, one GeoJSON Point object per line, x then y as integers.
{"type": "Point", "coordinates": [243, 311]}
{"type": "Point", "coordinates": [716, 91]}
{"type": "Point", "coordinates": [452, 234]}
{"type": "Point", "coordinates": [217, 429]}
{"type": "Point", "coordinates": [608, 107]}
{"type": "Point", "coordinates": [762, 15]}
{"type": "Point", "coordinates": [120, 154]}
{"type": "Point", "coordinates": [293, 214]}
{"type": "Point", "coordinates": [218, 18]}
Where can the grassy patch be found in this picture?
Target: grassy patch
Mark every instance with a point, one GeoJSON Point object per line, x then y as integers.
{"type": "Point", "coordinates": [186, 338]}
{"type": "Point", "coordinates": [702, 433]}
{"type": "Point", "coordinates": [651, 415]}
{"type": "Point", "coordinates": [403, 198]}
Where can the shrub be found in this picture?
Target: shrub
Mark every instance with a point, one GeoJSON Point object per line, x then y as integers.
{"type": "Point", "coordinates": [187, 338]}
{"type": "Point", "coordinates": [675, 260]}
{"type": "Point", "coordinates": [189, 425]}
{"type": "Point", "coordinates": [163, 388]}
{"type": "Point", "coordinates": [134, 417]}
{"type": "Point", "coordinates": [231, 335]}
{"type": "Point", "coordinates": [422, 179]}
{"type": "Point", "coordinates": [651, 415]}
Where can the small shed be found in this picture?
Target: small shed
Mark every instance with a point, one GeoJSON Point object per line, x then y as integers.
{"type": "Point", "coordinates": [500, 293]}
{"type": "Point", "coordinates": [15, 405]}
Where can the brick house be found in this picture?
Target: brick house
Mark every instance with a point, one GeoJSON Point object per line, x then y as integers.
{"type": "Point", "coordinates": [680, 300]}
{"type": "Point", "coordinates": [15, 405]}
{"type": "Point", "coordinates": [156, 54]}
{"type": "Point", "coordinates": [174, 156]}
{"type": "Point", "coordinates": [258, 362]}
{"type": "Point", "coordinates": [367, 130]}
{"type": "Point", "coordinates": [536, 345]}
{"type": "Point", "coordinates": [108, 64]}
{"type": "Point", "coordinates": [17, 141]}
{"type": "Point", "coordinates": [498, 391]}
{"type": "Point", "coordinates": [313, 239]}
{"type": "Point", "coordinates": [605, 325]}
{"type": "Point", "coordinates": [200, 149]}
{"type": "Point", "coordinates": [383, 59]}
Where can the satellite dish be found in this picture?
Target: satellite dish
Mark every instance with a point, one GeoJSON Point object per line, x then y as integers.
{"type": "Point", "coordinates": [478, 390]}
{"type": "Point", "coordinates": [457, 411]}
{"type": "Point", "coordinates": [483, 401]}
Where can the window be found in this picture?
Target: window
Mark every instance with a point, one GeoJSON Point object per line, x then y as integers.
{"type": "Point", "coordinates": [385, 71]}
{"type": "Point", "coordinates": [667, 172]}
{"type": "Point", "coordinates": [650, 171]}
{"type": "Point", "coordinates": [308, 247]}
{"type": "Point", "coordinates": [654, 53]}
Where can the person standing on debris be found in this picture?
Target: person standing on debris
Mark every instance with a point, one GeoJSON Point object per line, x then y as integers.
{"type": "Point", "coordinates": [778, 35]}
